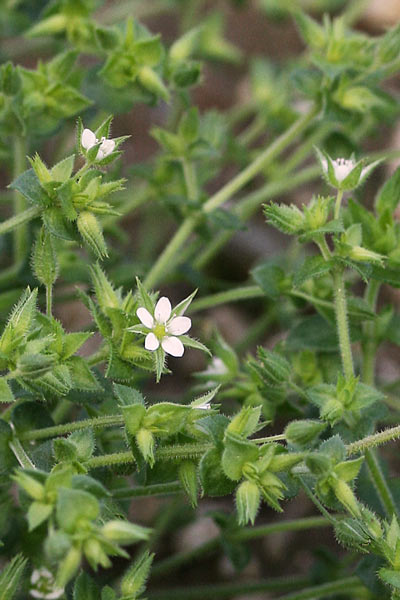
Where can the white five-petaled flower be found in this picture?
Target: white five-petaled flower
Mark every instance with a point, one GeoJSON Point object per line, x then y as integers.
{"type": "Point", "coordinates": [344, 173]}
{"type": "Point", "coordinates": [42, 582]}
{"type": "Point", "coordinates": [163, 328]}
{"type": "Point", "coordinates": [89, 139]}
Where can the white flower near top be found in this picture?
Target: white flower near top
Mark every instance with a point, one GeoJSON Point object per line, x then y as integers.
{"type": "Point", "coordinates": [344, 173]}
{"type": "Point", "coordinates": [42, 585]}
{"type": "Point", "coordinates": [163, 328]}
{"type": "Point", "coordinates": [89, 139]}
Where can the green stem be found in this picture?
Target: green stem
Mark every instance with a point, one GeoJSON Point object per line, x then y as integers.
{"type": "Point", "coordinates": [49, 300]}
{"type": "Point", "coordinates": [369, 345]}
{"type": "Point", "coordinates": [373, 440]}
{"type": "Point", "coordinates": [242, 293]}
{"type": "Point", "coordinates": [342, 323]}
{"type": "Point", "coordinates": [59, 430]}
{"type": "Point", "coordinates": [157, 489]}
{"type": "Point", "coordinates": [20, 203]}
{"type": "Point", "coordinates": [252, 132]}
{"type": "Point", "coordinates": [20, 454]}
{"type": "Point", "coordinates": [338, 204]}
{"type": "Point", "coordinates": [262, 160]}
{"type": "Point", "coordinates": [189, 173]}
{"type": "Point", "coordinates": [368, 372]}
{"type": "Point", "coordinates": [242, 535]}
{"type": "Point", "coordinates": [19, 219]}
{"type": "Point", "coordinates": [347, 585]}
{"type": "Point", "coordinates": [166, 259]}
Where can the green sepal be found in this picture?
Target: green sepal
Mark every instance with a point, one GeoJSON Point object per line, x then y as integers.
{"type": "Point", "coordinates": [236, 454]}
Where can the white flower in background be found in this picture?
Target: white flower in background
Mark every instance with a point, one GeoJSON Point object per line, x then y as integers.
{"type": "Point", "coordinates": [344, 173]}
{"type": "Point", "coordinates": [42, 582]}
{"type": "Point", "coordinates": [163, 328]}
{"type": "Point", "coordinates": [89, 139]}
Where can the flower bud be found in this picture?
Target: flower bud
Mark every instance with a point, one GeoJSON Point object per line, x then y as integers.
{"type": "Point", "coordinates": [30, 485]}
{"type": "Point", "coordinates": [95, 554]}
{"type": "Point", "coordinates": [345, 495]}
{"type": "Point", "coordinates": [92, 234]}
{"type": "Point", "coordinates": [248, 499]}
{"type": "Point", "coordinates": [361, 254]}
{"type": "Point", "coordinates": [124, 532]}
{"type": "Point", "coordinates": [134, 580]}
{"type": "Point", "coordinates": [44, 259]}
{"type": "Point", "coordinates": [302, 433]}
{"type": "Point", "coordinates": [152, 82]}
{"type": "Point", "coordinates": [188, 477]}
{"type": "Point", "coordinates": [145, 441]}
{"type": "Point", "coordinates": [69, 566]}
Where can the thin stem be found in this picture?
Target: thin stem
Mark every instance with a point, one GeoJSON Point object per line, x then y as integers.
{"type": "Point", "coordinates": [19, 219]}
{"type": "Point", "coordinates": [242, 293]}
{"type": "Point", "coordinates": [189, 173]}
{"type": "Point", "coordinates": [163, 264]}
{"type": "Point", "coordinates": [19, 201]}
{"type": "Point", "coordinates": [166, 259]}
{"type": "Point", "coordinates": [20, 454]}
{"type": "Point", "coordinates": [242, 535]}
{"type": "Point", "coordinates": [228, 590]}
{"type": "Point", "coordinates": [368, 372]}
{"type": "Point", "coordinates": [262, 160]}
{"type": "Point", "coordinates": [49, 300]}
{"type": "Point", "coordinates": [252, 132]}
{"type": "Point", "coordinates": [342, 323]}
{"type": "Point", "coordinates": [347, 585]}
{"type": "Point", "coordinates": [380, 484]}
{"type": "Point", "coordinates": [157, 489]}
{"type": "Point", "coordinates": [59, 430]}
{"type": "Point", "coordinates": [338, 204]}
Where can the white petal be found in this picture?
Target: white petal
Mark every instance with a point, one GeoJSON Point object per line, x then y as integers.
{"type": "Point", "coordinates": [173, 345]}
{"type": "Point", "coordinates": [145, 317]}
{"type": "Point", "coordinates": [106, 147]}
{"type": "Point", "coordinates": [55, 594]}
{"type": "Point", "coordinates": [88, 139]}
{"type": "Point", "coordinates": [162, 311]}
{"type": "Point", "coordinates": [151, 342]}
{"type": "Point", "coordinates": [179, 325]}
{"type": "Point", "coordinates": [204, 406]}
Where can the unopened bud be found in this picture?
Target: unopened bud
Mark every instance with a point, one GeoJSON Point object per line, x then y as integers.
{"type": "Point", "coordinates": [188, 477]}
{"type": "Point", "coordinates": [248, 499]}
{"type": "Point", "coordinates": [302, 433]}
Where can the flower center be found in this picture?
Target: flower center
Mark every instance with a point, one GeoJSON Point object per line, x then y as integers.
{"type": "Point", "coordinates": [342, 168]}
{"type": "Point", "coordinates": [159, 331]}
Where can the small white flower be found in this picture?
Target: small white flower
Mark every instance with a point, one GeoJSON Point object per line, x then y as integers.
{"type": "Point", "coordinates": [88, 140]}
{"type": "Point", "coordinates": [42, 582]}
{"type": "Point", "coordinates": [163, 328]}
{"type": "Point", "coordinates": [216, 367]}
{"type": "Point", "coordinates": [337, 171]}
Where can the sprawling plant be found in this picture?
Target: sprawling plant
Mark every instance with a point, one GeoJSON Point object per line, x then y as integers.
{"type": "Point", "coordinates": [84, 430]}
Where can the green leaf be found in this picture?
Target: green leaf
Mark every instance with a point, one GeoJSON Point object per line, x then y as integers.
{"type": "Point", "coordinates": [73, 341]}
{"type": "Point", "coordinates": [192, 343]}
{"type": "Point", "coordinates": [6, 394]}
{"type": "Point", "coordinates": [213, 480]}
{"type": "Point", "coordinates": [63, 169]}
{"type": "Point", "coordinates": [270, 278]}
{"type": "Point", "coordinates": [81, 376]}
{"type": "Point", "coordinates": [29, 186]}
{"type": "Point", "coordinates": [127, 395]}
{"type": "Point", "coordinates": [85, 588]}
{"type": "Point", "coordinates": [55, 223]}
{"type": "Point", "coordinates": [38, 513]}
{"type": "Point", "coordinates": [391, 577]}
{"type": "Point", "coordinates": [312, 268]}
{"type": "Point", "coordinates": [75, 507]}
{"type": "Point", "coordinates": [134, 580]}
{"type": "Point", "coordinates": [84, 443]}
{"type": "Point", "coordinates": [313, 333]}
{"type": "Point", "coordinates": [11, 577]}
{"type": "Point", "coordinates": [159, 362]}
{"type": "Point", "coordinates": [237, 453]}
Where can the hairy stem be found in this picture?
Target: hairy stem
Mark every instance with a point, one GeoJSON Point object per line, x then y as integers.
{"type": "Point", "coordinates": [342, 323]}
{"type": "Point", "coordinates": [19, 219]}
{"type": "Point", "coordinates": [58, 430]}
{"type": "Point", "coordinates": [156, 489]}
{"type": "Point", "coordinates": [20, 203]}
